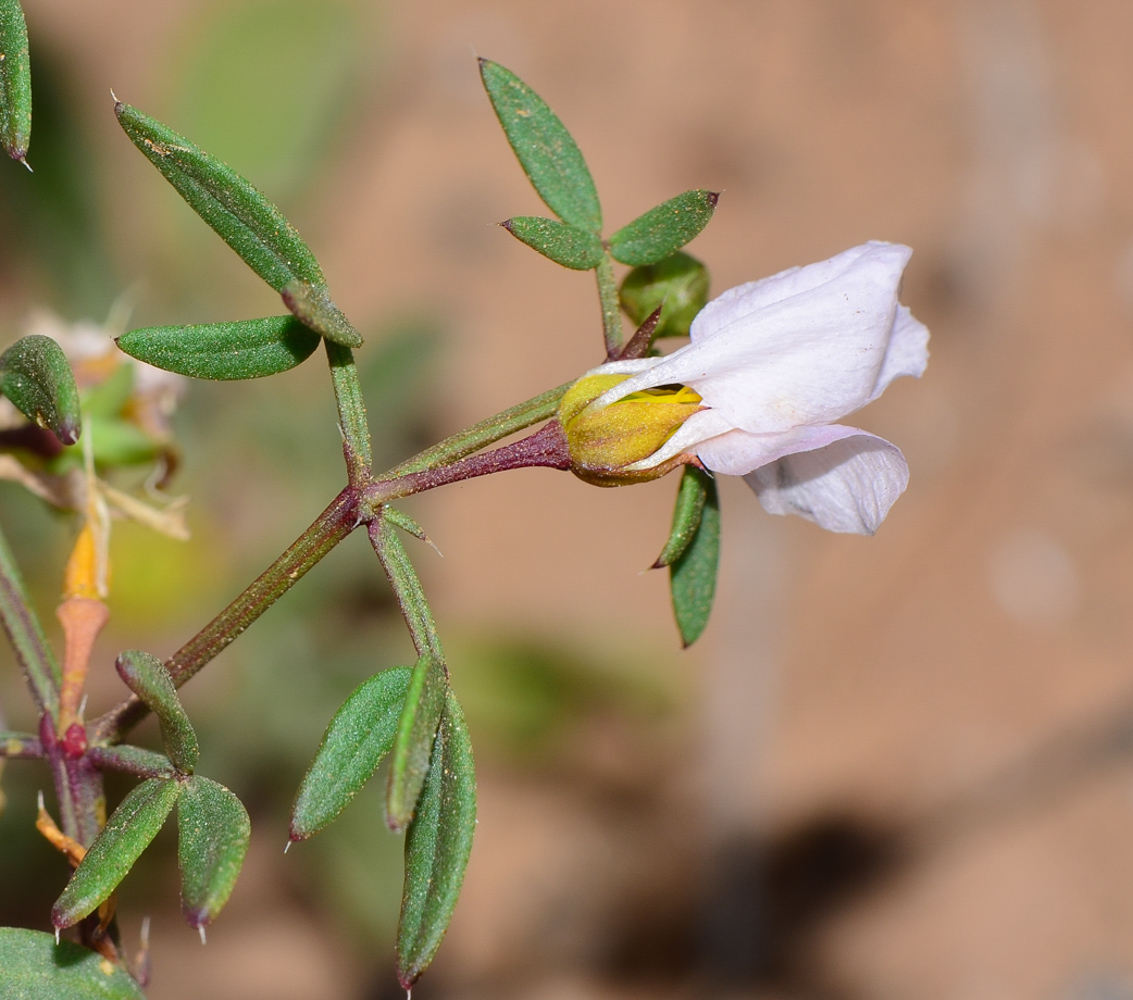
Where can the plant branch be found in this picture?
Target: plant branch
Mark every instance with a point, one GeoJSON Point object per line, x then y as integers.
{"type": "Point", "coordinates": [407, 589]}
{"type": "Point", "coordinates": [351, 412]}
{"type": "Point", "coordinates": [611, 314]}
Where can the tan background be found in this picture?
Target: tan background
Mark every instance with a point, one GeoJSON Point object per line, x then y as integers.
{"type": "Point", "coordinates": [902, 765]}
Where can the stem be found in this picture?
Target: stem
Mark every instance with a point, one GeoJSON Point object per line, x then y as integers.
{"type": "Point", "coordinates": [351, 412]}
{"type": "Point", "coordinates": [486, 432]}
{"type": "Point", "coordinates": [608, 297]}
{"type": "Point", "coordinates": [19, 745]}
{"type": "Point", "coordinates": [37, 661]}
{"type": "Point", "coordinates": [407, 589]}
{"type": "Point", "coordinates": [331, 527]}
{"type": "Point", "coordinates": [547, 447]}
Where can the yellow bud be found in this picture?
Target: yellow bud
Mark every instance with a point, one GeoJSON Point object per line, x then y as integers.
{"type": "Point", "coordinates": [604, 441]}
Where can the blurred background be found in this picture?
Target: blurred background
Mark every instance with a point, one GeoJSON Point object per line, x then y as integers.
{"type": "Point", "coordinates": [898, 767]}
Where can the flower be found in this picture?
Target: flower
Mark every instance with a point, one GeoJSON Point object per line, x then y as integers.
{"type": "Point", "coordinates": [771, 366]}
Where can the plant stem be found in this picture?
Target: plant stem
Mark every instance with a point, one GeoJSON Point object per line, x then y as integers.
{"type": "Point", "coordinates": [331, 527]}
{"type": "Point", "coordinates": [37, 661]}
{"type": "Point", "coordinates": [19, 745]}
{"type": "Point", "coordinates": [486, 432]}
{"type": "Point", "coordinates": [407, 589]}
{"type": "Point", "coordinates": [608, 297]}
{"type": "Point", "coordinates": [351, 412]}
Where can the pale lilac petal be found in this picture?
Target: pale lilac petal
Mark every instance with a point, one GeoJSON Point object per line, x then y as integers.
{"type": "Point", "coordinates": [907, 353]}
{"type": "Point", "coordinates": [847, 486]}
{"type": "Point", "coordinates": [805, 347]}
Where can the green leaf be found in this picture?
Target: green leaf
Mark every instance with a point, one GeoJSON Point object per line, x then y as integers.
{"type": "Point", "coordinates": [109, 397]}
{"type": "Point", "coordinates": [15, 81]}
{"type": "Point", "coordinates": [416, 731]}
{"type": "Point", "coordinates": [132, 760]}
{"type": "Point", "coordinates": [35, 376]}
{"type": "Point", "coordinates": [559, 241]}
{"type": "Point", "coordinates": [311, 305]}
{"type": "Point", "coordinates": [358, 737]}
{"type": "Point", "coordinates": [665, 229]}
{"type": "Point", "coordinates": [238, 212]}
{"type": "Point", "coordinates": [213, 831]}
{"type": "Point", "coordinates": [692, 577]}
{"type": "Point", "coordinates": [687, 513]}
{"type": "Point", "coordinates": [119, 442]}
{"type": "Point", "coordinates": [34, 967]}
{"type": "Point", "coordinates": [147, 677]}
{"type": "Point", "coordinates": [250, 348]}
{"type": "Point", "coordinates": [437, 847]}
{"type": "Point", "coordinates": [127, 833]}
{"type": "Point", "coordinates": [678, 283]}
{"type": "Point", "coordinates": [545, 149]}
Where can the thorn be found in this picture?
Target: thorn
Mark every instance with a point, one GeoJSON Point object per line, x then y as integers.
{"type": "Point", "coordinates": [56, 937]}
{"type": "Point", "coordinates": [287, 846]}
{"type": "Point", "coordinates": [204, 940]}
{"type": "Point", "coordinates": [39, 804]}
{"type": "Point", "coordinates": [115, 96]}
{"type": "Point", "coordinates": [83, 707]}
{"type": "Point", "coordinates": [24, 161]}
{"type": "Point", "coordinates": [144, 935]}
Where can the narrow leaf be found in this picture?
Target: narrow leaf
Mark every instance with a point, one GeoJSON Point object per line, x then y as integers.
{"type": "Point", "coordinates": [405, 523]}
{"type": "Point", "coordinates": [249, 348]}
{"type": "Point", "coordinates": [559, 241]}
{"type": "Point", "coordinates": [416, 731]}
{"type": "Point", "coordinates": [34, 967]}
{"type": "Point", "coordinates": [15, 81]}
{"type": "Point", "coordinates": [213, 831]}
{"type": "Point", "coordinates": [692, 577]}
{"type": "Point", "coordinates": [147, 677]}
{"type": "Point", "coordinates": [358, 737]}
{"type": "Point", "coordinates": [132, 760]}
{"type": "Point", "coordinates": [665, 229]}
{"type": "Point", "coordinates": [545, 149]}
{"type": "Point", "coordinates": [311, 305]}
{"type": "Point", "coordinates": [686, 516]}
{"type": "Point", "coordinates": [437, 847]}
{"type": "Point", "coordinates": [238, 212]}
{"type": "Point", "coordinates": [127, 833]}
{"type": "Point", "coordinates": [35, 376]}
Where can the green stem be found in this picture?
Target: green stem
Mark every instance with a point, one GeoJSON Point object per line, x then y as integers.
{"type": "Point", "coordinates": [451, 449]}
{"type": "Point", "coordinates": [611, 314]}
{"type": "Point", "coordinates": [37, 661]}
{"type": "Point", "coordinates": [331, 527]}
{"type": "Point", "coordinates": [351, 412]}
{"type": "Point", "coordinates": [407, 588]}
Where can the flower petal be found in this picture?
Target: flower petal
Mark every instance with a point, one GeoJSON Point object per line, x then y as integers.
{"type": "Point", "coordinates": [803, 347]}
{"type": "Point", "coordinates": [847, 486]}
{"type": "Point", "coordinates": [907, 353]}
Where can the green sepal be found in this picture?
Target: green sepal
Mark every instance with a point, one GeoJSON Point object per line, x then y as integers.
{"type": "Point", "coordinates": [250, 348]}
{"type": "Point", "coordinates": [686, 516]}
{"type": "Point", "coordinates": [34, 967]}
{"type": "Point", "coordinates": [147, 677]}
{"type": "Point", "coordinates": [213, 831]}
{"type": "Point", "coordinates": [35, 376]}
{"type": "Point", "coordinates": [127, 833]}
{"type": "Point", "coordinates": [132, 760]}
{"type": "Point", "coordinates": [437, 846]}
{"type": "Point", "coordinates": [15, 81]}
{"type": "Point", "coordinates": [358, 737]}
{"type": "Point", "coordinates": [679, 284]}
{"type": "Point", "coordinates": [692, 576]}
{"type": "Point", "coordinates": [663, 230]}
{"type": "Point", "coordinates": [237, 211]}
{"type": "Point", "coordinates": [558, 241]}
{"type": "Point", "coordinates": [545, 149]}
{"type": "Point", "coordinates": [311, 305]}
{"type": "Point", "coordinates": [416, 731]}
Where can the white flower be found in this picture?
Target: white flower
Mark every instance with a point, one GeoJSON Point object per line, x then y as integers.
{"type": "Point", "coordinates": [776, 362]}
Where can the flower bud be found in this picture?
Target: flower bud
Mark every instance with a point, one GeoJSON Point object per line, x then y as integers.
{"type": "Point", "coordinates": [605, 441]}
{"type": "Point", "coordinates": [680, 281]}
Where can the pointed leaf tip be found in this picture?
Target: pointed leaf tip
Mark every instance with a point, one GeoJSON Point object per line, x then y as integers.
{"type": "Point", "coordinates": [213, 835]}
{"type": "Point", "coordinates": [663, 230]}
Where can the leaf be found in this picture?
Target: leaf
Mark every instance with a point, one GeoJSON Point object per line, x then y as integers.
{"type": "Point", "coordinates": [692, 577]}
{"type": "Point", "coordinates": [251, 348]}
{"type": "Point", "coordinates": [132, 760]}
{"type": "Point", "coordinates": [147, 677]}
{"type": "Point", "coordinates": [34, 967]}
{"type": "Point", "coordinates": [311, 305]}
{"type": "Point", "coordinates": [213, 831]}
{"type": "Point", "coordinates": [35, 376]}
{"type": "Point", "coordinates": [15, 81]}
{"type": "Point", "coordinates": [559, 241]}
{"type": "Point", "coordinates": [416, 730]}
{"type": "Point", "coordinates": [545, 149]}
{"type": "Point", "coordinates": [437, 847]}
{"type": "Point", "coordinates": [127, 833]}
{"type": "Point", "coordinates": [665, 229]}
{"type": "Point", "coordinates": [358, 737]}
{"type": "Point", "coordinates": [238, 212]}
{"type": "Point", "coordinates": [679, 284]}
{"type": "Point", "coordinates": [686, 516]}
